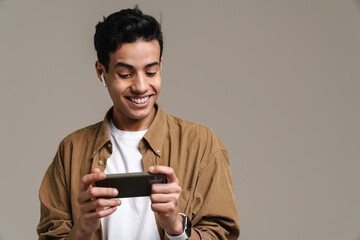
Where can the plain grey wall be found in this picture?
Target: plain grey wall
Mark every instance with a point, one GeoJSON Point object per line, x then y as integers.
{"type": "Point", "coordinates": [277, 80]}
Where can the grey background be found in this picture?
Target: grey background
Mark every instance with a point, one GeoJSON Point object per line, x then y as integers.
{"type": "Point", "coordinates": [277, 80]}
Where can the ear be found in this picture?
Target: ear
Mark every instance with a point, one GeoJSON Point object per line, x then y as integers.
{"type": "Point", "coordinates": [100, 69]}
{"type": "Point", "coordinates": [161, 62]}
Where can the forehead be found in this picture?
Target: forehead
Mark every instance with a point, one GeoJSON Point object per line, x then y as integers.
{"type": "Point", "coordinates": [137, 54]}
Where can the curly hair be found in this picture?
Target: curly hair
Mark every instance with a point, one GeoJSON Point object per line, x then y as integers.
{"type": "Point", "coordinates": [125, 26]}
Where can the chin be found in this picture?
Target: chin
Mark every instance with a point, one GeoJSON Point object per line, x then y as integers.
{"type": "Point", "coordinates": [140, 114]}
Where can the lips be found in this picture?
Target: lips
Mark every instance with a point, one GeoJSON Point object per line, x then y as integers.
{"type": "Point", "coordinates": [139, 100]}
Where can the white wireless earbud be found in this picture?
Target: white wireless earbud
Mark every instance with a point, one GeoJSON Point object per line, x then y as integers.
{"type": "Point", "coordinates": [103, 80]}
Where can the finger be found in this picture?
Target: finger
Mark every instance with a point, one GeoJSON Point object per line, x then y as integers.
{"type": "Point", "coordinates": [99, 214]}
{"type": "Point", "coordinates": [99, 205]}
{"type": "Point", "coordinates": [94, 171]}
{"type": "Point", "coordinates": [95, 192]}
{"type": "Point", "coordinates": [165, 188]}
{"type": "Point", "coordinates": [90, 179]}
{"type": "Point", "coordinates": [164, 198]}
{"type": "Point", "coordinates": [168, 171]}
{"type": "Point", "coordinates": [165, 208]}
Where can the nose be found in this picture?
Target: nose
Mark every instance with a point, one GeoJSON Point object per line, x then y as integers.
{"type": "Point", "coordinates": [139, 84]}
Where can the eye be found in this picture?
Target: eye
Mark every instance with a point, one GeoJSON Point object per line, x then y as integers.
{"type": "Point", "coordinates": [125, 75]}
{"type": "Point", "coordinates": [150, 74]}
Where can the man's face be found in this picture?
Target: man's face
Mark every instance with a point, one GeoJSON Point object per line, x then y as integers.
{"type": "Point", "coordinates": [134, 82]}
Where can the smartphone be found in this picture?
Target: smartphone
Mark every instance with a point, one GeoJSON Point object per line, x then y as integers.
{"type": "Point", "coordinates": [131, 184]}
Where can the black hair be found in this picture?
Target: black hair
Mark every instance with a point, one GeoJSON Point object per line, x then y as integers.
{"type": "Point", "coordinates": [125, 26]}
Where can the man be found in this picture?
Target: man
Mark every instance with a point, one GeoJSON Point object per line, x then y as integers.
{"type": "Point", "coordinates": [136, 135]}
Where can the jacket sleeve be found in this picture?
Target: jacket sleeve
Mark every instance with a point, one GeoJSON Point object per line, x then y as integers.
{"type": "Point", "coordinates": [215, 214]}
{"type": "Point", "coordinates": [55, 220]}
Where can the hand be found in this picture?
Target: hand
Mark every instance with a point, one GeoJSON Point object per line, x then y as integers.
{"type": "Point", "coordinates": [92, 206]}
{"type": "Point", "coordinates": [165, 201]}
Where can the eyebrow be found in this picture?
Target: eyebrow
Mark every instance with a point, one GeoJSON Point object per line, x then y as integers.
{"type": "Point", "coordinates": [121, 64]}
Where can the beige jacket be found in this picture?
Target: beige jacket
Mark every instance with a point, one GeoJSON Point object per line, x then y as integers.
{"type": "Point", "coordinates": [197, 155]}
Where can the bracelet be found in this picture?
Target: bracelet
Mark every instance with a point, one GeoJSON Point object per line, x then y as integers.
{"type": "Point", "coordinates": [183, 236]}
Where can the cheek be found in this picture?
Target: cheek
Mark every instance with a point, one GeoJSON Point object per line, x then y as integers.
{"type": "Point", "coordinates": [116, 91]}
{"type": "Point", "coordinates": [157, 84]}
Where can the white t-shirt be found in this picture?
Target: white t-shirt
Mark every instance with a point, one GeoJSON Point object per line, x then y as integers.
{"type": "Point", "coordinates": [134, 218]}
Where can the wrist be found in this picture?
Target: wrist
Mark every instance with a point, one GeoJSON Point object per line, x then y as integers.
{"type": "Point", "coordinates": [186, 229]}
{"type": "Point", "coordinates": [178, 227]}
{"type": "Point", "coordinates": [83, 231]}
{"type": "Point", "coordinates": [79, 233]}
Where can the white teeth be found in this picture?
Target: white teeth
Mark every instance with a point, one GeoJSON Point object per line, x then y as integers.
{"type": "Point", "coordinates": [139, 100]}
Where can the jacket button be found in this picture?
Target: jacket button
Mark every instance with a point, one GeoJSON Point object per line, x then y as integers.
{"type": "Point", "coordinates": [101, 162]}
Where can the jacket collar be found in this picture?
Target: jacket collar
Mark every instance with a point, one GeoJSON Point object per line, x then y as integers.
{"type": "Point", "coordinates": [157, 130]}
{"type": "Point", "coordinates": [103, 136]}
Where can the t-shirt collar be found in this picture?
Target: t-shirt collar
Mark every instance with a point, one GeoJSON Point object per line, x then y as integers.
{"type": "Point", "coordinates": [154, 136]}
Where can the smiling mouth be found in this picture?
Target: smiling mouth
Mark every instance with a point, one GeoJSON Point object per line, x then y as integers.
{"type": "Point", "coordinates": [139, 100]}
